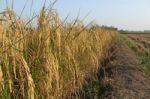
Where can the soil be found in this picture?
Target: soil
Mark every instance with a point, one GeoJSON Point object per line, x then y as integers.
{"type": "Point", "coordinates": [124, 77]}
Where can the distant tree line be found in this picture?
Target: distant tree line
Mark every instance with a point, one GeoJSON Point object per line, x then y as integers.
{"type": "Point", "coordinates": [110, 27]}
{"type": "Point", "coordinates": [127, 31]}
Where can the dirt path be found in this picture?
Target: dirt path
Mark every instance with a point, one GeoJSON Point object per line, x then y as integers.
{"type": "Point", "coordinates": [124, 78]}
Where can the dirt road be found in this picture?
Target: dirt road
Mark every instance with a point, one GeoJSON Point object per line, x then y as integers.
{"type": "Point", "coordinates": [125, 76]}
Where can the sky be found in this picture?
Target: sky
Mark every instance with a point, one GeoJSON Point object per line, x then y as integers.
{"type": "Point", "coordinates": [123, 14]}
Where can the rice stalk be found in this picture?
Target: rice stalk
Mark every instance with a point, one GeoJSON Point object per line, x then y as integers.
{"type": "Point", "coordinates": [50, 61]}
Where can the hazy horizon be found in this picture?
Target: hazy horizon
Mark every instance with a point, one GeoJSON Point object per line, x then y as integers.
{"type": "Point", "coordinates": [123, 14]}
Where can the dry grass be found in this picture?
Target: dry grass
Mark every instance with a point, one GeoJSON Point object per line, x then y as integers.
{"type": "Point", "coordinates": [141, 46]}
{"type": "Point", "coordinates": [51, 61]}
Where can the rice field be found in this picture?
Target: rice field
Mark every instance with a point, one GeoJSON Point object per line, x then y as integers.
{"type": "Point", "coordinates": [140, 44]}
{"type": "Point", "coordinates": [51, 60]}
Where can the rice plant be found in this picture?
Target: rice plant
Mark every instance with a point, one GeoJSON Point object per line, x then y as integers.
{"type": "Point", "coordinates": [50, 61]}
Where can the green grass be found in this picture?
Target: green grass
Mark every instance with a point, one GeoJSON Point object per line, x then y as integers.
{"type": "Point", "coordinates": [145, 62]}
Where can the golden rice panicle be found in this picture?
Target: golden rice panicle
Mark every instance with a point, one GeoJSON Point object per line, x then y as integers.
{"type": "Point", "coordinates": [50, 61]}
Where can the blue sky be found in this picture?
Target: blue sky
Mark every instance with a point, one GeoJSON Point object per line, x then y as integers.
{"type": "Point", "coordinates": [124, 14]}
